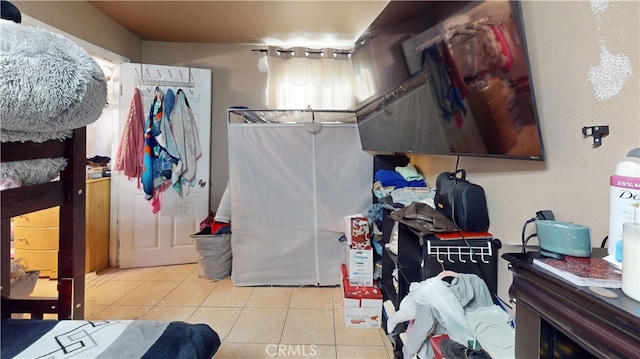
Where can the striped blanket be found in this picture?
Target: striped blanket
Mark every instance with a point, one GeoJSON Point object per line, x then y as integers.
{"type": "Point", "coordinates": [106, 339]}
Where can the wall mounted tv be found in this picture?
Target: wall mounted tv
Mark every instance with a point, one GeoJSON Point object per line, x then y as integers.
{"type": "Point", "coordinates": [453, 79]}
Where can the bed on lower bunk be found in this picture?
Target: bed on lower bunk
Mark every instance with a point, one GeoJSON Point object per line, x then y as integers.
{"type": "Point", "coordinates": [35, 338]}
{"type": "Point", "coordinates": [107, 339]}
{"type": "Point", "coordinates": [51, 90]}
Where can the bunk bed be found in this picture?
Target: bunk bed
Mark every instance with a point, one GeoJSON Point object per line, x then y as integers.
{"type": "Point", "coordinates": [68, 192]}
{"type": "Point", "coordinates": [52, 89]}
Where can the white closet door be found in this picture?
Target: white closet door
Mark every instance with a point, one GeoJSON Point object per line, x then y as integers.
{"type": "Point", "coordinates": [148, 239]}
{"type": "Point", "coordinates": [271, 185]}
{"type": "Point", "coordinates": [343, 174]}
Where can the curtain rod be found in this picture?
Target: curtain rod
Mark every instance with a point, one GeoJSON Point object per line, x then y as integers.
{"type": "Point", "coordinates": [311, 51]}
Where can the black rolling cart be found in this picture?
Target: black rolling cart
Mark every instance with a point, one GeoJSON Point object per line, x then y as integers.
{"type": "Point", "coordinates": [417, 260]}
{"type": "Point", "coordinates": [420, 258]}
{"type": "Point", "coordinates": [476, 256]}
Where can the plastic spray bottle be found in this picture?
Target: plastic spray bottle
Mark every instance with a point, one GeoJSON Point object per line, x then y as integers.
{"type": "Point", "coordinates": [631, 257]}
{"type": "Point", "coordinates": [624, 198]}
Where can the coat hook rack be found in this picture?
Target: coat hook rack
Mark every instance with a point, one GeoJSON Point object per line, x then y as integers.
{"type": "Point", "coordinates": [597, 132]}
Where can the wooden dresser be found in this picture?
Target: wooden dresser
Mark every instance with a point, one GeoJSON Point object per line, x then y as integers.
{"type": "Point", "coordinates": [36, 240]}
{"type": "Point", "coordinates": [491, 112]}
{"type": "Point", "coordinates": [36, 234]}
{"type": "Point", "coordinates": [558, 319]}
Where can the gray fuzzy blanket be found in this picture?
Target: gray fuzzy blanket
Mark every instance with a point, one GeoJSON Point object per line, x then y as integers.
{"type": "Point", "coordinates": [49, 87]}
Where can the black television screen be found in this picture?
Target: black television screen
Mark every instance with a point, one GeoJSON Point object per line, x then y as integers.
{"type": "Point", "coordinates": [459, 86]}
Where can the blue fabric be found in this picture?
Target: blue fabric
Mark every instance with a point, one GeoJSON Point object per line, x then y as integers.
{"type": "Point", "coordinates": [155, 113]}
{"type": "Point", "coordinates": [224, 230]}
{"type": "Point", "coordinates": [157, 161]}
{"type": "Point", "coordinates": [160, 162]}
{"type": "Point", "coordinates": [19, 334]}
{"type": "Point", "coordinates": [147, 165]}
{"type": "Point", "coordinates": [177, 341]}
{"type": "Point", "coordinates": [185, 341]}
{"type": "Point", "coordinates": [169, 100]}
{"type": "Point", "coordinates": [392, 178]}
{"type": "Point", "coordinates": [445, 92]}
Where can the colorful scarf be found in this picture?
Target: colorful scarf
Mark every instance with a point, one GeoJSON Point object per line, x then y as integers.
{"type": "Point", "coordinates": [158, 163]}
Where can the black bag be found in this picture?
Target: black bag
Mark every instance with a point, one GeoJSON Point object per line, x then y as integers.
{"type": "Point", "coordinates": [422, 219]}
{"type": "Point", "coordinates": [462, 201]}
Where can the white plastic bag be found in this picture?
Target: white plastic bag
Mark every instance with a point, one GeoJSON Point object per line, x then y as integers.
{"type": "Point", "coordinates": [449, 311]}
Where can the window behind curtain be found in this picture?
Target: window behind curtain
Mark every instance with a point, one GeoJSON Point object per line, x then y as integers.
{"type": "Point", "coordinates": [300, 78]}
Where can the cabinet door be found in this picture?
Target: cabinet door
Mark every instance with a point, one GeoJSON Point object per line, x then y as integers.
{"type": "Point", "coordinates": [97, 224]}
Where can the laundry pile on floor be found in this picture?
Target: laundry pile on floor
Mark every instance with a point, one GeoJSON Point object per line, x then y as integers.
{"type": "Point", "coordinates": [210, 226]}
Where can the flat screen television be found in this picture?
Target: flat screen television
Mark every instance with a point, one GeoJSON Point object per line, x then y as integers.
{"type": "Point", "coordinates": [453, 79]}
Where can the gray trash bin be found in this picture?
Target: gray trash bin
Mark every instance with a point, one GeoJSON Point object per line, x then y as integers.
{"type": "Point", "coordinates": [214, 255]}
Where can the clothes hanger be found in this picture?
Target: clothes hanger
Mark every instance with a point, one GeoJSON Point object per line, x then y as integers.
{"type": "Point", "coordinates": [446, 273]}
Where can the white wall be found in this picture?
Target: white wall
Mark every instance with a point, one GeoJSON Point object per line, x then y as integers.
{"type": "Point", "coordinates": [236, 81]}
{"type": "Point", "coordinates": [565, 40]}
{"type": "Point", "coordinates": [81, 19]}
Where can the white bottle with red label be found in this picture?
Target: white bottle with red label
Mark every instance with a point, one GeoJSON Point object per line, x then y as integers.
{"type": "Point", "coordinates": [624, 197]}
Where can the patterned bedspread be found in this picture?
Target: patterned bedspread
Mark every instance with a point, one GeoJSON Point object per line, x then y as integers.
{"type": "Point", "coordinates": [106, 339]}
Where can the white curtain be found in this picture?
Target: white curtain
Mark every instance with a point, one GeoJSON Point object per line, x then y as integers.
{"type": "Point", "coordinates": [300, 78]}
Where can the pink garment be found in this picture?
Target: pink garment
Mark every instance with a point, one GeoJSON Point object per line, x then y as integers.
{"type": "Point", "coordinates": [131, 150]}
{"type": "Point", "coordinates": [504, 46]}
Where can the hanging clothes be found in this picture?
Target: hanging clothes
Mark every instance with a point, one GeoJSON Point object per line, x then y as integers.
{"type": "Point", "coordinates": [167, 139]}
{"type": "Point", "coordinates": [452, 68]}
{"type": "Point", "coordinates": [507, 52]}
{"type": "Point", "coordinates": [444, 90]}
{"type": "Point", "coordinates": [187, 141]}
{"type": "Point", "coordinates": [130, 153]}
{"type": "Point", "coordinates": [158, 164]}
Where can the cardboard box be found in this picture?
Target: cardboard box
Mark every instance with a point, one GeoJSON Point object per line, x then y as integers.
{"type": "Point", "coordinates": [359, 264]}
{"type": "Point", "coordinates": [347, 226]}
{"type": "Point", "coordinates": [356, 230]}
{"type": "Point", "coordinates": [360, 236]}
{"type": "Point", "coordinates": [361, 312]}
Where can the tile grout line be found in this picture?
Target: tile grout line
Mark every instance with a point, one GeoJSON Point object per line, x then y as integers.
{"type": "Point", "coordinates": [335, 331]}
{"type": "Point", "coordinates": [335, 307]}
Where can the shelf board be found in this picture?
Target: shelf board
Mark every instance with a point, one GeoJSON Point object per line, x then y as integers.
{"type": "Point", "coordinates": [389, 291]}
{"type": "Point", "coordinates": [392, 256]}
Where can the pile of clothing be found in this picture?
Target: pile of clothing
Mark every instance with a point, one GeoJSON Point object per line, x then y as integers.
{"type": "Point", "coordinates": [462, 309]}
{"type": "Point", "coordinates": [210, 226]}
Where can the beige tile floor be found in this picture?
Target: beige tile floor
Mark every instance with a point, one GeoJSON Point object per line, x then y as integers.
{"type": "Point", "coordinates": [252, 322]}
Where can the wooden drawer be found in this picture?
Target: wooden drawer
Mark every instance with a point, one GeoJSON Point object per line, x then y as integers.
{"type": "Point", "coordinates": [44, 260]}
{"type": "Point", "coordinates": [49, 217]}
{"type": "Point", "coordinates": [35, 238]}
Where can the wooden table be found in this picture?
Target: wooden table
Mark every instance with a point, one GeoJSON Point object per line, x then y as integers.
{"type": "Point", "coordinates": [555, 318]}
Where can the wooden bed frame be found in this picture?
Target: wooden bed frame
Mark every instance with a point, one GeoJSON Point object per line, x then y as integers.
{"type": "Point", "coordinates": [176, 339]}
{"type": "Point", "coordinates": [68, 192]}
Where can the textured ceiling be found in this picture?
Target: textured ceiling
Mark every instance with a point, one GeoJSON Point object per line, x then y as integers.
{"type": "Point", "coordinates": [300, 22]}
